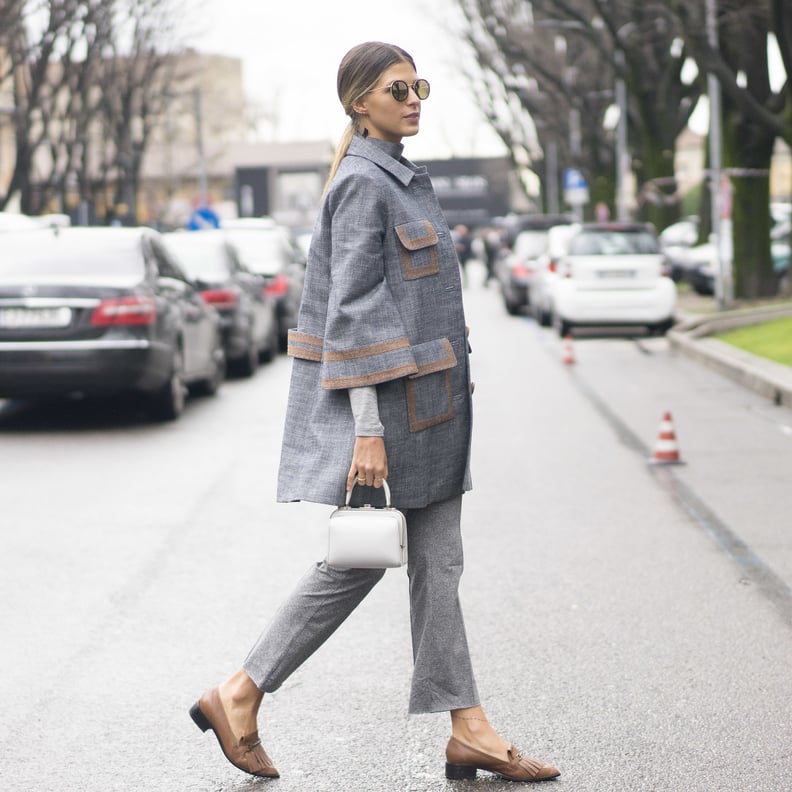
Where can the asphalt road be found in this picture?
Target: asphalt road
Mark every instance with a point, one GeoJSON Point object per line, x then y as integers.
{"type": "Point", "coordinates": [630, 624]}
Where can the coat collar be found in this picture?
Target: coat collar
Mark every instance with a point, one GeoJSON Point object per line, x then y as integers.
{"type": "Point", "coordinates": [386, 155]}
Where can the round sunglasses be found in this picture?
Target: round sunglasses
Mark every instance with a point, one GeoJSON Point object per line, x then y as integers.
{"type": "Point", "coordinates": [400, 90]}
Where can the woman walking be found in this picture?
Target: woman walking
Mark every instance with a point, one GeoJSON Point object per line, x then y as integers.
{"type": "Point", "coordinates": [380, 390]}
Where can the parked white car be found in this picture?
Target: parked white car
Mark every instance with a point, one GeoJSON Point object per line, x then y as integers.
{"type": "Point", "coordinates": [546, 272]}
{"type": "Point", "coordinates": [612, 275]}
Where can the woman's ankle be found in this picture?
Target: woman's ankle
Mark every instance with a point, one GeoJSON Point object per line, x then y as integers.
{"type": "Point", "coordinates": [241, 692]}
{"type": "Point", "coordinates": [471, 727]}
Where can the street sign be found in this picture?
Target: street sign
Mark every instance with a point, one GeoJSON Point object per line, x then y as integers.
{"type": "Point", "coordinates": [203, 217]}
{"type": "Point", "coordinates": [576, 192]}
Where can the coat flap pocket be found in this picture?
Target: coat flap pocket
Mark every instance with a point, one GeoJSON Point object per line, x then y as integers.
{"type": "Point", "coordinates": [431, 356]}
{"type": "Point", "coordinates": [417, 234]}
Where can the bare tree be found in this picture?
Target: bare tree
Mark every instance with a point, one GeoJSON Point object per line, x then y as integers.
{"type": "Point", "coordinates": [561, 59]}
{"type": "Point", "coordinates": [754, 116]}
{"type": "Point", "coordinates": [36, 86]}
{"type": "Point", "coordinates": [90, 78]}
{"type": "Point", "coordinates": [135, 78]}
{"type": "Point", "coordinates": [12, 48]}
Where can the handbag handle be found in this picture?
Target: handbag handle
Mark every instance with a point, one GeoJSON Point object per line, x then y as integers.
{"type": "Point", "coordinates": [384, 486]}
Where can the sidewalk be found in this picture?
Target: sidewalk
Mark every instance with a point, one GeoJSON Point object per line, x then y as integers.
{"type": "Point", "coordinates": [699, 319]}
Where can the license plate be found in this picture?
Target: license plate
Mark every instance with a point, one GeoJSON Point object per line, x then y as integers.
{"type": "Point", "coordinates": [616, 274]}
{"type": "Point", "coordinates": [31, 318]}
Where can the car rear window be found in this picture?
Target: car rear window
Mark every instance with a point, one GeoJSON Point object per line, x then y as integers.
{"type": "Point", "coordinates": [613, 243]}
{"type": "Point", "coordinates": [530, 244]}
{"type": "Point", "coordinates": [67, 257]}
{"type": "Point", "coordinates": [261, 251]}
{"type": "Point", "coordinates": [200, 256]}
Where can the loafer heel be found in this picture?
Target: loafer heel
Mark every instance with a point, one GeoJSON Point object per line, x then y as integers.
{"type": "Point", "coordinates": [200, 719]}
{"type": "Point", "coordinates": [455, 772]}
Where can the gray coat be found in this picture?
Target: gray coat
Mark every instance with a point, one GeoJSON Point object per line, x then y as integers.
{"type": "Point", "coordinates": [382, 305]}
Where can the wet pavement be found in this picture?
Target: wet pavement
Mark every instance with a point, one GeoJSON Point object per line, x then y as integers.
{"type": "Point", "coordinates": [629, 624]}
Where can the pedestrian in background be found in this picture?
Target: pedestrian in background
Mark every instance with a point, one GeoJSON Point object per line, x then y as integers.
{"type": "Point", "coordinates": [380, 362]}
{"type": "Point", "coordinates": [463, 240]}
{"type": "Point", "coordinates": [492, 239]}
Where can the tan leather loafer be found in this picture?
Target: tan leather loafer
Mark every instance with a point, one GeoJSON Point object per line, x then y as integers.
{"type": "Point", "coordinates": [462, 762]}
{"type": "Point", "coordinates": [247, 753]}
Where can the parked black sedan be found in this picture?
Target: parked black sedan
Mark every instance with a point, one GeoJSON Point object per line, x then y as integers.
{"type": "Point", "coordinates": [103, 311]}
{"type": "Point", "coordinates": [247, 311]}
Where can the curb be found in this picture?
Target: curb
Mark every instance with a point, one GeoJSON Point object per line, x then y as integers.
{"type": "Point", "coordinates": [765, 377]}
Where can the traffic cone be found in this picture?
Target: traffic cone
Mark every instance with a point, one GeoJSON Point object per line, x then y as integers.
{"type": "Point", "coordinates": [666, 451]}
{"type": "Point", "coordinates": [567, 351]}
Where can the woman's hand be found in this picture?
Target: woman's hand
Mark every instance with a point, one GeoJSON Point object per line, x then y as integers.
{"type": "Point", "coordinates": [369, 463]}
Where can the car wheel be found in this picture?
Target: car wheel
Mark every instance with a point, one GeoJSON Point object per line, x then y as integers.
{"type": "Point", "coordinates": [512, 307]}
{"type": "Point", "coordinates": [562, 326]}
{"type": "Point", "coordinates": [246, 365]}
{"type": "Point", "coordinates": [661, 328]}
{"type": "Point", "coordinates": [167, 404]}
{"type": "Point", "coordinates": [270, 351]}
{"type": "Point", "coordinates": [543, 317]}
{"type": "Point", "coordinates": [211, 384]}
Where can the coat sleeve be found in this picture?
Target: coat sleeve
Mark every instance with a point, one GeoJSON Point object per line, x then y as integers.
{"type": "Point", "coordinates": [365, 341]}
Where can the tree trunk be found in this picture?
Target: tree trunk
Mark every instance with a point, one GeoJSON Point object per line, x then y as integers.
{"type": "Point", "coordinates": [20, 177]}
{"type": "Point", "coordinates": [748, 149]}
{"type": "Point", "coordinates": [753, 265]}
{"type": "Point", "coordinates": [659, 189]}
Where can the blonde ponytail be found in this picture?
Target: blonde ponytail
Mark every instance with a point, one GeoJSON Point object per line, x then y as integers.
{"type": "Point", "coordinates": [341, 150]}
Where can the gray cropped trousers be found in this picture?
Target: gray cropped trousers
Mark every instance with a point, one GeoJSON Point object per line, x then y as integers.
{"type": "Point", "coordinates": [442, 677]}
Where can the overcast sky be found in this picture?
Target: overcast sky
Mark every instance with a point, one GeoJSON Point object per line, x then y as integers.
{"type": "Point", "coordinates": [291, 51]}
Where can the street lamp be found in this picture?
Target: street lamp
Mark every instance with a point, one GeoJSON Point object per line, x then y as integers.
{"type": "Point", "coordinates": [621, 139]}
{"type": "Point", "coordinates": [621, 128]}
{"type": "Point", "coordinates": [723, 281]}
{"type": "Point", "coordinates": [202, 181]}
{"type": "Point", "coordinates": [551, 176]}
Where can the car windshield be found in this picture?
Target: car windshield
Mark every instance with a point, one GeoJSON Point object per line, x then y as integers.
{"type": "Point", "coordinates": [200, 256]}
{"type": "Point", "coordinates": [530, 244]}
{"type": "Point", "coordinates": [613, 243]}
{"type": "Point", "coordinates": [99, 257]}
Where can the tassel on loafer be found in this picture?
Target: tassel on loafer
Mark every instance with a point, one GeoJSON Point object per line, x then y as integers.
{"type": "Point", "coordinates": [247, 753]}
{"type": "Point", "coordinates": [462, 762]}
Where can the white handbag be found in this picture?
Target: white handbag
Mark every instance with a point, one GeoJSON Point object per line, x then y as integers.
{"type": "Point", "coordinates": [367, 537]}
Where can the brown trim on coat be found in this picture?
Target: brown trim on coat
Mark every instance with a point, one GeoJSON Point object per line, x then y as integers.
{"type": "Point", "coordinates": [367, 351]}
{"type": "Point", "coordinates": [416, 243]}
{"type": "Point", "coordinates": [427, 242]}
{"type": "Point", "coordinates": [304, 353]}
{"type": "Point", "coordinates": [297, 337]}
{"type": "Point", "coordinates": [449, 361]}
{"type": "Point", "coordinates": [418, 425]}
{"type": "Point", "coordinates": [304, 346]}
{"type": "Point", "coordinates": [335, 383]}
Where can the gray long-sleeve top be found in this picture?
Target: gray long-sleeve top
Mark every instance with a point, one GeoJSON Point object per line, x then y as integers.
{"type": "Point", "coordinates": [366, 412]}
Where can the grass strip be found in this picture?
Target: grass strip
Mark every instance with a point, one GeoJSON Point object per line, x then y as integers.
{"type": "Point", "coordinates": [771, 340]}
